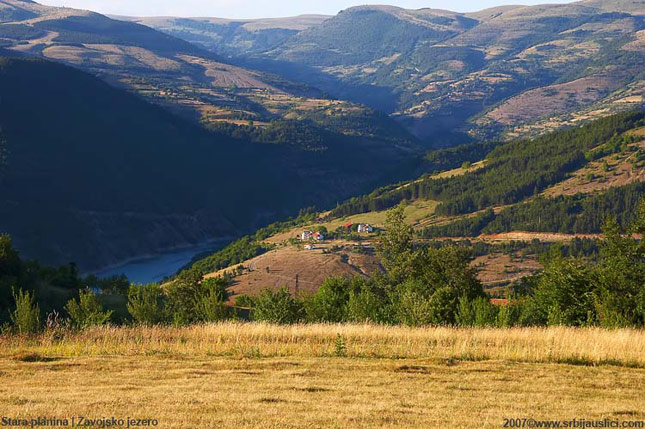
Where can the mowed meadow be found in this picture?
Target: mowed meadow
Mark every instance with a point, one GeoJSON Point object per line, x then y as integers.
{"type": "Point", "coordinates": [325, 375]}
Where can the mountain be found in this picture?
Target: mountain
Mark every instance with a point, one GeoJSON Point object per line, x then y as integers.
{"type": "Point", "coordinates": [450, 77]}
{"type": "Point", "coordinates": [181, 76]}
{"type": "Point", "coordinates": [229, 37]}
{"type": "Point", "coordinates": [94, 174]}
{"type": "Point", "coordinates": [508, 203]}
{"type": "Point", "coordinates": [313, 150]}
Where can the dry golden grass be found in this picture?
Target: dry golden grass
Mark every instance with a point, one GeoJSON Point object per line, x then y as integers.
{"type": "Point", "coordinates": [592, 346]}
{"type": "Point", "coordinates": [312, 267]}
{"type": "Point", "coordinates": [264, 376]}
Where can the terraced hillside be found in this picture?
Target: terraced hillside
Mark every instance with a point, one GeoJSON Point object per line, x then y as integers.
{"type": "Point", "coordinates": [511, 71]}
{"type": "Point", "coordinates": [194, 83]}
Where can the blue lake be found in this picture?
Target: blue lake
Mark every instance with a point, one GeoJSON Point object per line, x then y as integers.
{"type": "Point", "coordinates": [155, 268]}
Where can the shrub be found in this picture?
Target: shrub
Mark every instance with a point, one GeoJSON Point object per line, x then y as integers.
{"type": "Point", "coordinates": [508, 315]}
{"type": "Point", "coordinates": [478, 312]}
{"type": "Point", "coordinates": [411, 306]}
{"type": "Point", "coordinates": [87, 311]}
{"type": "Point", "coordinates": [564, 294]}
{"type": "Point", "coordinates": [211, 308]}
{"type": "Point", "coordinates": [277, 307]}
{"type": "Point", "coordinates": [26, 316]}
{"type": "Point", "coordinates": [329, 303]}
{"type": "Point", "coordinates": [146, 304]}
{"type": "Point", "coordinates": [244, 301]}
{"type": "Point", "coordinates": [368, 304]}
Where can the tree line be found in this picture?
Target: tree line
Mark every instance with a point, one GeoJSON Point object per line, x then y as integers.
{"type": "Point", "coordinates": [513, 171]}
{"type": "Point", "coordinates": [577, 214]}
{"type": "Point", "coordinates": [420, 285]}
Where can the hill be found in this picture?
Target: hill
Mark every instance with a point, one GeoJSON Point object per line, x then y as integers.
{"type": "Point", "coordinates": [95, 175]}
{"type": "Point", "coordinates": [509, 71]}
{"type": "Point", "coordinates": [229, 37]}
{"type": "Point", "coordinates": [329, 149]}
{"type": "Point", "coordinates": [519, 200]}
{"type": "Point", "coordinates": [192, 82]}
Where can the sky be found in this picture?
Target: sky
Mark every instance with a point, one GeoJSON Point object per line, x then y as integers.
{"type": "Point", "coordinates": [240, 9]}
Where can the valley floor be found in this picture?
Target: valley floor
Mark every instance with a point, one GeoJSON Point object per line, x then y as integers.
{"type": "Point", "coordinates": [254, 375]}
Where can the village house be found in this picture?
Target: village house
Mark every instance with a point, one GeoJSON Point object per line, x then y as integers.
{"type": "Point", "coordinates": [308, 235]}
{"type": "Point", "coordinates": [365, 228]}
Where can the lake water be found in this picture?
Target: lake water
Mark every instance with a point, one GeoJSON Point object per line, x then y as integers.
{"type": "Point", "coordinates": [155, 268]}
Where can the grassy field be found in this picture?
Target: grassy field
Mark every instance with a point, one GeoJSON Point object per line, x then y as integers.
{"type": "Point", "coordinates": [320, 376]}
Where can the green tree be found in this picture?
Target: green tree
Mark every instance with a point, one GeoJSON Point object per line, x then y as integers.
{"type": "Point", "coordinates": [620, 274]}
{"type": "Point", "coordinates": [416, 304]}
{"type": "Point", "coordinates": [564, 294]}
{"type": "Point", "coordinates": [87, 311]}
{"type": "Point", "coordinates": [183, 295]}
{"type": "Point", "coordinates": [26, 316]}
{"type": "Point", "coordinates": [368, 303]}
{"type": "Point", "coordinates": [211, 305]}
{"type": "Point", "coordinates": [396, 249]}
{"type": "Point", "coordinates": [478, 312]}
{"type": "Point", "coordinates": [329, 302]}
{"type": "Point", "coordinates": [146, 304]}
{"type": "Point", "coordinates": [449, 266]}
{"type": "Point", "coordinates": [9, 259]}
{"type": "Point", "coordinates": [277, 307]}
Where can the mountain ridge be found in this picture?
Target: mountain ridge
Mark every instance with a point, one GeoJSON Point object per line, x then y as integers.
{"type": "Point", "coordinates": [426, 66]}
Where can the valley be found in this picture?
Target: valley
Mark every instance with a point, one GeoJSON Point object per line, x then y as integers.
{"type": "Point", "coordinates": [507, 246]}
{"type": "Point", "coordinates": [513, 71]}
{"type": "Point", "coordinates": [375, 218]}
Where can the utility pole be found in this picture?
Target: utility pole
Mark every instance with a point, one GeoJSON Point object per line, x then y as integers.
{"type": "Point", "coordinates": [297, 281]}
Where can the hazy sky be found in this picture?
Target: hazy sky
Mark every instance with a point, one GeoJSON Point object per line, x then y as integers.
{"type": "Point", "coordinates": [264, 8]}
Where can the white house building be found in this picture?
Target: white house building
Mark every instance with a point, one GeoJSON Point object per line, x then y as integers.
{"type": "Point", "coordinates": [365, 228]}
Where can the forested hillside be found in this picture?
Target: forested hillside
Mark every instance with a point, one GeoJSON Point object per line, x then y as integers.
{"type": "Point", "coordinates": [95, 175]}
{"type": "Point", "coordinates": [506, 203]}
{"type": "Point", "coordinates": [511, 172]}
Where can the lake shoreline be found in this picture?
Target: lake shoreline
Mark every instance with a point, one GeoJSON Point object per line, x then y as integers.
{"type": "Point", "coordinates": [172, 255]}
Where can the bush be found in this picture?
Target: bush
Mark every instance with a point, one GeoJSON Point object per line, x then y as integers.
{"type": "Point", "coordinates": [87, 311]}
{"type": "Point", "coordinates": [508, 315]}
{"type": "Point", "coordinates": [368, 303]}
{"type": "Point", "coordinates": [478, 312]}
{"type": "Point", "coordinates": [26, 316]}
{"type": "Point", "coordinates": [277, 307]}
{"type": "Point", "coordinates": [411, 305]}
{"type": "Point", "coordinates": [244, 301]}
{"type": "Point", "coordinates": [211, 308]}
{"type": "Point", "coordinates": [329, 303]}
{"type": "Point", "coordinates": [146, 304]}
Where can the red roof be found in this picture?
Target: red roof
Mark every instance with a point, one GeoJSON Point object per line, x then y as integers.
{"type": "Point", "coordinates": [349, 224]}
{"type": "Point", "coordinates": [499, 301]}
